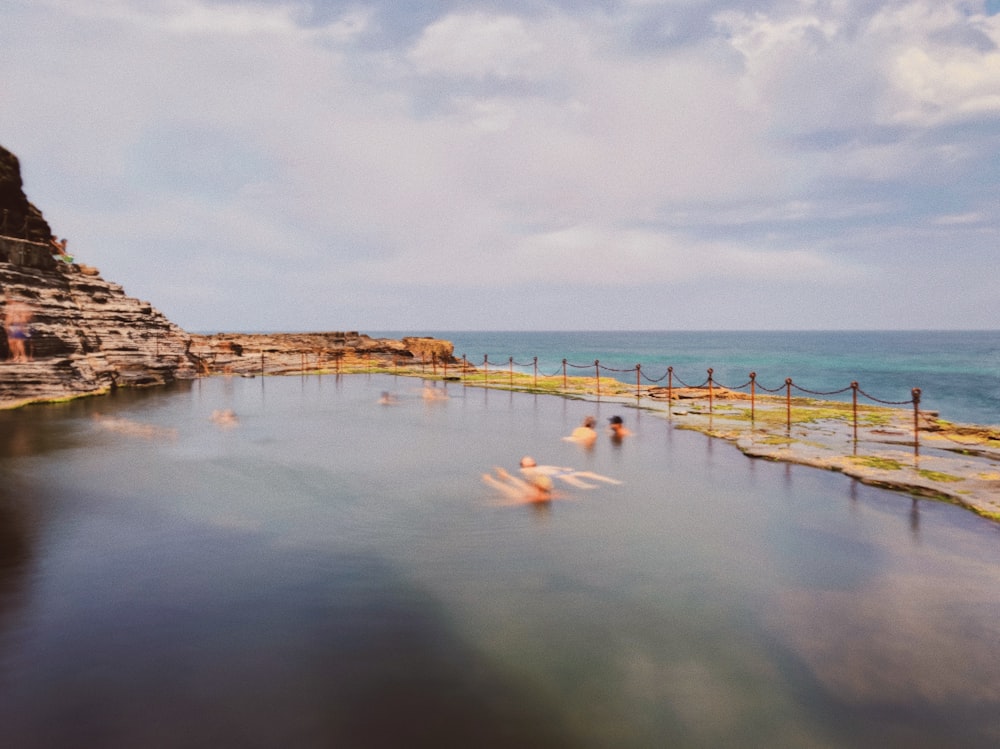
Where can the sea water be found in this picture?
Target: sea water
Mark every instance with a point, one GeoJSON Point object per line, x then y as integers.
{"type": "Point", "coordinates": [330, 571]}
{"type": "Point", "coordinates": [958, 372]}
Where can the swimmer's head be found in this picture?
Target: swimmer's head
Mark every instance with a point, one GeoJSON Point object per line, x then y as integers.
{"type": "Point", "coordinates": [589, 421]}
{"type": "Point", "coordinates": [528, 462]}
{"type": "Point", "coordinates": [616, 420]}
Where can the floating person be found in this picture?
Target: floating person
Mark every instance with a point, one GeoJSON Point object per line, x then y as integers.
{"type": "Point", "coordinates": [568, 475]}
{"type": "Point", "coordinates": [225, 417]}
{"type": "Point", "coordinates": [17, 323]}
{"type": "Point", "coordinates": [618, 429]}
{"type": "Point", "coordinates": [536, 490]}
{"type": "Point", "coordinates": [388, 399]}
{"type": "Point", "coordinates": [585, 434]}
{"type": "Point", "coordinates": [134, 428]}
{"type": "Point", "coordinates": [431, 393]}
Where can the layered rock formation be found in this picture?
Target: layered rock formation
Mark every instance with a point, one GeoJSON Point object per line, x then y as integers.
{"type": "Point", "coordinates": [87, 336]}
{"type": "Point", "coordinates": [289, 353]}
{"type": "Point", "coordinates": [18, 217]}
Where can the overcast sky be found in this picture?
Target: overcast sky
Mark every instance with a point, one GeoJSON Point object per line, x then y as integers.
{"type": "Point", "coordinates": [573, 164]}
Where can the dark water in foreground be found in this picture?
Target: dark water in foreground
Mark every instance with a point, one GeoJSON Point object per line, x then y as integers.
{"type": "Point", "coordinates": [333, 573]}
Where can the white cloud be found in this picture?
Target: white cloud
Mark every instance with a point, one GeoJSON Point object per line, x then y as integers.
{"type": "Point", "coordinates": [477, 45]}
{"type": "Point", "coordinates": [917, 62]}
{"type": "Point", "coordinates": [495, 148]}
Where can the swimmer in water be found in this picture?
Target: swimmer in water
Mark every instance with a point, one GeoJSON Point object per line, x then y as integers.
{"type": "Point", "coordinates": [536, 490]}
{"type": "Point", "coordinates": [568, 475]}
{"type": "Point", "coordinates": [585, 434]}
{"type": "Point", "coordinates": [618, 430]}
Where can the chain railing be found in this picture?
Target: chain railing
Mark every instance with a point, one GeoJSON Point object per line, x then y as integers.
{"type": "Point", "coordinates": [710, 385]}
{"type": "Point", "coordinates": [321, 361]}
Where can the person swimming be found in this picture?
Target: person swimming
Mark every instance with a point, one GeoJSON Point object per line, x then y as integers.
{"type": "Point", "coordinates": [538, 489]}
{"type": "Point", "coordinates": [618, 430]}
{"type": "Point", "coordinates": [585, 434]}
{"type": "Point", "coordinates": [571, 476]}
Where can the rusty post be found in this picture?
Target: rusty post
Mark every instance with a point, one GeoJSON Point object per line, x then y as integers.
{"type": "Point", "coordinates": [486, 368]}
{"type": "Point", "coordinates": [753, 396]}
{"type": "Point", "coordinates": [510, 370]}
{"type": "Point", "coordinates": [788, 402]}
{"type": "Point", "coordinates": [638, 370]}
{"type": "Point", "coordinates": [916, 422]}
{"type": "Point", "coordinates": [854, 407]}
{"type": "Point", "coordinates": [564, 375]}
{"type": "Point", "coordinates": [262, 362]}
{"type": "Point", "coordinates": [711, 392]}
{"type": "Point", "coordinates": [597, 371]}
{"type": "Point", "coordinates": [536, 372]}
{"type": "Point", "coordinates": [670, 388]}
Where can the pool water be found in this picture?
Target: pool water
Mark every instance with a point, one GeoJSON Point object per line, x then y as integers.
{"type": "Point", "coordinates": [333, 572]}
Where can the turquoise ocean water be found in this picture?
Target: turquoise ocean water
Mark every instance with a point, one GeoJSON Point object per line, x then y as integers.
{"type": "Point", "coordinates": [958, 372]}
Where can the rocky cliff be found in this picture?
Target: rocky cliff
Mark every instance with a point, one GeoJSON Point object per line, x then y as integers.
{"type": "Point", "coordinates": [18, 217]}
{"type": "Point", "coordinates": [84, 335]}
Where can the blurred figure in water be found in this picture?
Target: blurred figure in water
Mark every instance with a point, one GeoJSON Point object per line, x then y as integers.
{"type": "Point", "coordinates": [225, 417]}
{"type": "Point", "coordinates": [537, 490]}
{"type": "Point", "coordinates": [387, 399]}
{"type": "Point", "coordinates": [570, 476]}
{"type": "Point", "coordinates": [618, 430]}
{"type": "Point", "coordinates": [17, 323]}
{"type": "Point", "coordinates": [433, 394]}
{"type": "Point", "coordinates": [585, 434]}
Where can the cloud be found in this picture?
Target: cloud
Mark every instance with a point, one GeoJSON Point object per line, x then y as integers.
{"type": "Point", "coordinates": [363, 153]}
{"type": "Point", "coordinates": [477, 45]}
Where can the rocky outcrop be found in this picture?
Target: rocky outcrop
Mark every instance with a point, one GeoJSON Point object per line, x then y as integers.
{"type": "Point", "coordinates": [87, 336]}
{"type": "Point", "coordinates": [83, 335]}
{"type": "Point", "coordinates": [288, 353]}
{"type": "Point", "coordinates": [18, 217]}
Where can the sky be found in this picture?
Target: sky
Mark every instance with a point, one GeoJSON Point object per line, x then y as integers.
{"type": "Point", "coordinates": [519, 165]}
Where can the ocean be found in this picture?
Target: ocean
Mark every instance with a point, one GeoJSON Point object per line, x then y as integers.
{"type": "Point", "coordinates": [958, 372]}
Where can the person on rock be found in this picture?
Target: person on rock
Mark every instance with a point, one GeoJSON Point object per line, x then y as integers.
{"type": "Point", "coordinates": [17, 323]}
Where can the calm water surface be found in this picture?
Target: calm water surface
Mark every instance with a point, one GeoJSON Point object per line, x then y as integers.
{"type": "Point", "coordinates": [333, 573]}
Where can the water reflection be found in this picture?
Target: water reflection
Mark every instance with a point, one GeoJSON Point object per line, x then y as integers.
{"type": "Point", "coordinates": [333, 573]}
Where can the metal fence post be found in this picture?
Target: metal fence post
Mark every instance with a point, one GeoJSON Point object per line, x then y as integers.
{"type": "Point", "coordinates": [854, 407]}
{"type": "Point", "coordinates": [788, 402]}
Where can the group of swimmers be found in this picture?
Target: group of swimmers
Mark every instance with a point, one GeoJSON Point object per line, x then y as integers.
{"type": "Point", "coordinates": [536, 484]}
{"type": "Point", "coordinates": [586, 434]}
